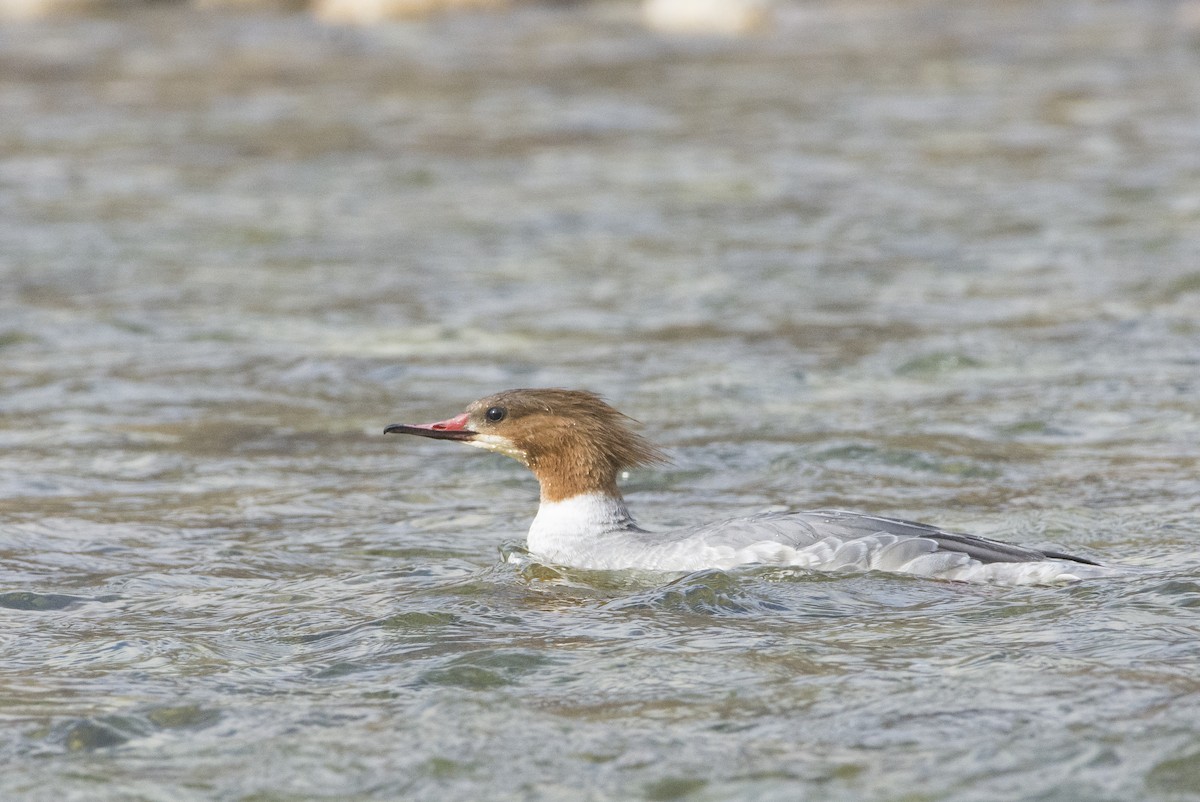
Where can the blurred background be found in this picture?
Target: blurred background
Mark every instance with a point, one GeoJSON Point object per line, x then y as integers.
{"type": "Point", "coordinates": [922, 258]}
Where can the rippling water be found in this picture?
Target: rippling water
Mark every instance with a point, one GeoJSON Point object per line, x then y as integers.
{"type": "Point", "coordinates": [936, 260]}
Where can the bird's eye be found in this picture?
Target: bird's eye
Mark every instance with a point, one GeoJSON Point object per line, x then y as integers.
{"type": "Point", "coordinates": [495, 414]}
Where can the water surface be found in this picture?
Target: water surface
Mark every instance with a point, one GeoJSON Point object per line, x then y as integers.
{"type": "Point", "coordinates": [936, 260]}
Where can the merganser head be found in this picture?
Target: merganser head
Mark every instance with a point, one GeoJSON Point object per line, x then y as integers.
{"type": "Point", "coordinates": [571, 439]}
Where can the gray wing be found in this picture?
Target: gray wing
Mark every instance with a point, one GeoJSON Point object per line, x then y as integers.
{"type": "Point", "coordinates": [852, 525]}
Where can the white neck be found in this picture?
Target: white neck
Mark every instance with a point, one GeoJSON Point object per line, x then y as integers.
{"type": "Point", "coordinates": [571, 531]}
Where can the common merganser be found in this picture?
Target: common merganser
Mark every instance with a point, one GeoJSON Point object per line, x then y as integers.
{"type": "Point", "coordinates": [576, 445]}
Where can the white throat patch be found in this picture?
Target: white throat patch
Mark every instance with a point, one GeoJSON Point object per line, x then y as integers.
{"type": "Point", "coordinates": [501, 445]}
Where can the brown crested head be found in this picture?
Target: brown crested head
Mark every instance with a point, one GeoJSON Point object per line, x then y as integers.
{"type": "Point", "coordinates": [572, 440]}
